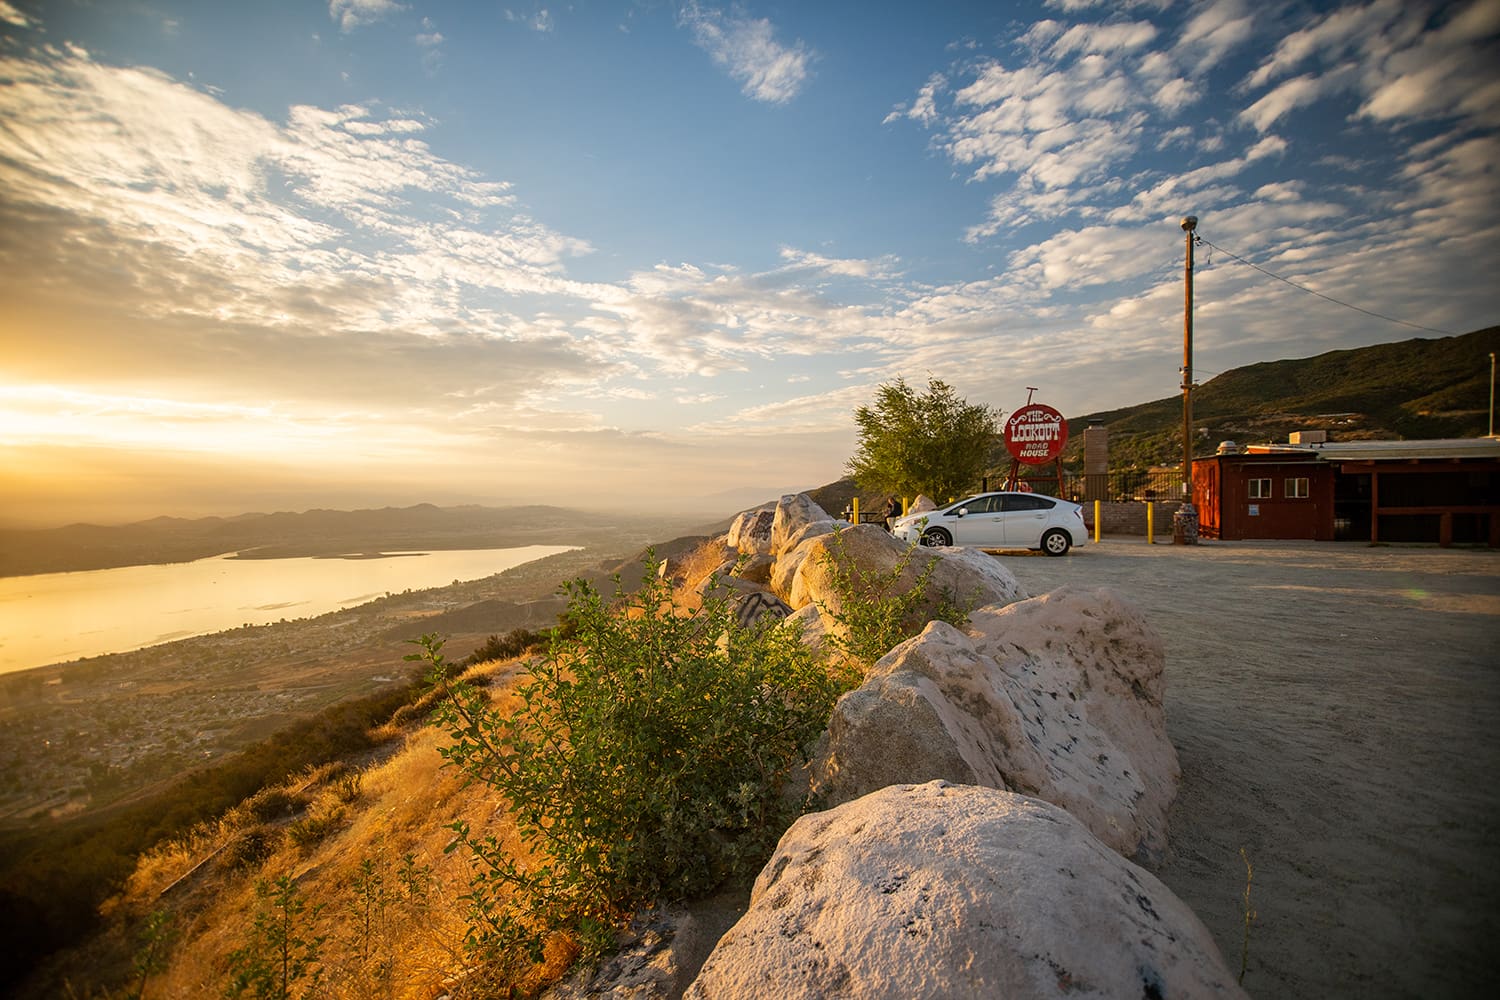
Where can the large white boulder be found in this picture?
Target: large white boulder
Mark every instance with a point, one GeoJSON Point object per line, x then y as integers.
{"type": "Point", "coordinates": [793, 513]}
{"type": "Point", "coordinates": [750, 532]}
{"type": "Point", "coordinates": [799, 547]}
{"type": "Point", "coordinates": [1059, 697]}
{"type": "Point", "coordinates": [966, 577]}
{"type": "Point", "coordinates": [940, 891]}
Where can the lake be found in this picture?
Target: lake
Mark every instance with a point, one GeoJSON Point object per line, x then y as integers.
{"type": "Point", "coordinates": [54, 617]}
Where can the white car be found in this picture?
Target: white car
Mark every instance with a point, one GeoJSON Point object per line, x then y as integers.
{"type": "Point", "coordinates": [999, 521]}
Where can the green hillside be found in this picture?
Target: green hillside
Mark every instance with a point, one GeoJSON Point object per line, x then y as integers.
{"type": "Point", "coordinates": [1413, 389]}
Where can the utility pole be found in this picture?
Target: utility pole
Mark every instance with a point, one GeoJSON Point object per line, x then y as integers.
{"type": "Point", "coordinates": [1492, 394]}
{"type": "Point", "coordinates": [1188, 224]}
{"type": "Point", "coordinates": [1185, 521]}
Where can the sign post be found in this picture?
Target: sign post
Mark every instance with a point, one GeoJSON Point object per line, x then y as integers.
{"type": "Point", "coordinates": [1035, 435]}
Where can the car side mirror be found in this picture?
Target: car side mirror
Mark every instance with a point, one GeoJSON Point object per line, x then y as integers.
{"type": "Point", "coordinates": [962, 511]}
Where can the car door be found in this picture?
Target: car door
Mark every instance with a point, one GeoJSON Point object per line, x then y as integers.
{"type": "Point", "coordinates": [980, 526]}
{"type": "Point", "coordinates": [1024, 519]}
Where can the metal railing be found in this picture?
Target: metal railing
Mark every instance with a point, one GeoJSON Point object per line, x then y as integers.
{"type": "Point", "coordinates": [1126, 485]}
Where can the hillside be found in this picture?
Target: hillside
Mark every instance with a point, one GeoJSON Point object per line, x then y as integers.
{"type": "Point", "coordinates": [138, 746]}
{"type": "Point", "coordinates": [1416, 388]}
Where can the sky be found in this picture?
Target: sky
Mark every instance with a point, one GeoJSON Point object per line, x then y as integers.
{"type": "Point", "coordinates": [346, 253]}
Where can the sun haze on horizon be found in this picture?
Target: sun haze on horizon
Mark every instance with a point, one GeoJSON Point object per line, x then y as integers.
{"type": "Point", "coordinates": [366, 253]}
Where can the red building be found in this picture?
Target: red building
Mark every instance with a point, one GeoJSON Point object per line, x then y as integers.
{"type": "Point", "coordinates": [1393, 491]}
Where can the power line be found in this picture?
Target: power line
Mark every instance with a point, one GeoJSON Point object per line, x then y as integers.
{"type": "Point", "coordinates": [1330, 298]}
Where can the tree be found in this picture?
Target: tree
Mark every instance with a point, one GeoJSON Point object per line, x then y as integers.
{"type": "Point", "coordinates": [934, 442]}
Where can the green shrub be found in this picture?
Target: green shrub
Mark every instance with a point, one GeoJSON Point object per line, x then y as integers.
{"type": "Point", "coordinates": [316, 824]}
{"type": "Point", "coordinates": [648, 759]}
{"type": "Point", "coordinates": [251, 847]}
{"type": "Point", "coordinates": [279, 802]}
{"type": "Point", "coordinates": [877, 610]}
{"type": "Point", "coordinates": [514, 643]}
{"type": "Point", "coordinates": [279, 958]}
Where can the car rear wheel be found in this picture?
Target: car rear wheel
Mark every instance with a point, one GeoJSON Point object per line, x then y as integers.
{"type": "Point", "coordinates": [936, 536]}
{"type": "Point", "coordinates": [1056, 542]}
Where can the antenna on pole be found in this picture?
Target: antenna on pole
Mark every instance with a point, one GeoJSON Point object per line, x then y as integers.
{"type": "Point", "coordinates": [1029, 390]}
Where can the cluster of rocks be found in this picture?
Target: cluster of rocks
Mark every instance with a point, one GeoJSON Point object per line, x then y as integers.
{"type": "Point", "coordinates": [991, 793]}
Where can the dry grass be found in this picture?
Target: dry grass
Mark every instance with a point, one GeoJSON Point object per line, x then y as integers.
{"type": "Point", "coordinates": [699, 563]}
{"type": "Point", "coordinates": [391, 821]}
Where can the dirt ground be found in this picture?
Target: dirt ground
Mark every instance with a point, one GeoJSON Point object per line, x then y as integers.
{"type": "Point", "coordinates": [1336, 710]}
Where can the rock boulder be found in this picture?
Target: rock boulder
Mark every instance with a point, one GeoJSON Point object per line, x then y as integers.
{"type": "Point", "coordinates": [750, 532]}
{"type": "Point", "coordinates": [938, 891]}
{"type": "Point", "coordinates": [967, 577]}
{"type": "Point", "coordinates": [793, 513]}
{"type": "Point", "coordinates": [1059, 697]}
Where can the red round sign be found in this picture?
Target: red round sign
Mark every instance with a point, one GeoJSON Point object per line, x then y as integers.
{"type": "Point", "coordinates": [1035, 434]}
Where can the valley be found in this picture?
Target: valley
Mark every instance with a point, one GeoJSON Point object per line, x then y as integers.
{"type": "Point", "coordinates": [83, 735]}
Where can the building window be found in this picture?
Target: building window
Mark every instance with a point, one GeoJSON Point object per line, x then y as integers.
{"type": "Point", "coordinates": [1296, 489]}
{"type": "Point", "coordinates": [1260, 489]}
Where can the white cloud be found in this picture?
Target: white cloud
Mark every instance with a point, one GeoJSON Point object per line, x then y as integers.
{"type": "Point", "coordinates": [767, 70]}
{"type": "Point", "coordinates": [429, 37]}
{"type": "Point", "coordinates": [339, 213]}
{"type": "Point", "coordinates": [1111, 37]}
{"type": "Point", "coordinates": [847, 268]}
{"type": "Point", "coordinates": [1287, 97]}
{"type": "Point", "coordinates": [1091, 256]}
{"type": "Point", "coordinates": [1409, 61]}
{"type": "Point", "coordinates": [351, 14]}
{"type": "Point", "coordinates": [1425, 75]}
{"type": "Point", "coordinates": [1073, 6]}
{"type": "Point", "coordinates": [540, 21]}
{"type": "Point", "coordinates": [1218, 28]}
{"type": "Point", "coordinates": [10, 15]}
{"type": "Point", "coordinates": [1328, 39]}
{"type": "Point", "coordinates": [924, 107]}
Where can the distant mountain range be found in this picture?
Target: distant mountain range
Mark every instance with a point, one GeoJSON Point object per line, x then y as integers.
{"type": "Point", "coordinates": [1412, 389]}
{"type": "Point", "coordinates": [311, 533]}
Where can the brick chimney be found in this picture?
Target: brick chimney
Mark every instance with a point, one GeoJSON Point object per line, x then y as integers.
{"type": "Point", "coordinates": [1096, 461]}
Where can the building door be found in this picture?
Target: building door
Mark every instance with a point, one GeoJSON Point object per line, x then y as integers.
{"type": "Point", "coordinates": [1351, 507]}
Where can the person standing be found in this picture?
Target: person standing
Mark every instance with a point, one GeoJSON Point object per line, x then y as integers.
{"type": "Point", "coordinates": [892, 511]}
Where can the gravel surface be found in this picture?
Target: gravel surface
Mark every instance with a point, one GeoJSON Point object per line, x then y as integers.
{"type": "Point", "coordinates": [1336, 709]}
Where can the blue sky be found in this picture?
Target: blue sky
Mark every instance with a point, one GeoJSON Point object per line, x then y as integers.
{"type": "Point", "coordinates": [351, 252]}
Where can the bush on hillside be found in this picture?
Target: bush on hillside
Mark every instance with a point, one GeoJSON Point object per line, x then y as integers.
{"type": "Point", "coordinates": [507, 647]}
{"type": "Point", "coordinates": [647, 759]}
{"type": "Point", "coordinates": [878, 609]}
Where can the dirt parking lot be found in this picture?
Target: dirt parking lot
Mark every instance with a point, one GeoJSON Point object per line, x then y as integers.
{"type": "Point", "coordinates": [1336, 709]}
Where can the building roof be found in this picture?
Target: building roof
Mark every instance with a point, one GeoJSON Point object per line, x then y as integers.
{"type": "Point", "coordinates": [1377, 451]}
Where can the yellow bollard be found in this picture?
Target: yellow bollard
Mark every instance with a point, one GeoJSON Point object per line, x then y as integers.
{"type": "Point", "coordinates": [856, 511]}
{"type": "Point", "coordinates": [1098, 521]}
{"type": "Point", "coordinates": [1150, 522]}
{"type": "Point", "coordinates": [905, 506]}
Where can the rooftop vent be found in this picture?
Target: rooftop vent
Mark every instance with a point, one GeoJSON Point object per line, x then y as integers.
{"type": "Point", "coordinates": [1307, 437]}
{"type": "Point", "coordinates": [1228, 448]}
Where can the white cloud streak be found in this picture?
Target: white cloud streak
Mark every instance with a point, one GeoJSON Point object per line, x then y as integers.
{"type": "Point", "coordinates": [351, 14]}
{"type": "Point", "coordinates": [10, 15]}
{"type": "Point", "coordinates": [748, 50]}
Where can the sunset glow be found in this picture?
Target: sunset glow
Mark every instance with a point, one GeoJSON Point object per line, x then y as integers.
{"type": "Point", "coordinates": [288, 255]}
